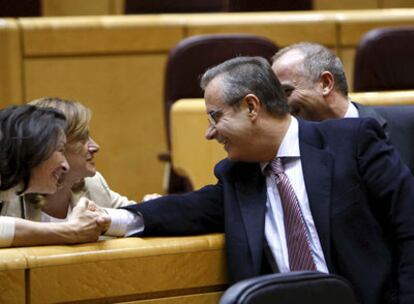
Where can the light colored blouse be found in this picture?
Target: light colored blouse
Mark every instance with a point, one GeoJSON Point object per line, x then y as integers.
{"type": "Point", "coordinates": [96, 189]}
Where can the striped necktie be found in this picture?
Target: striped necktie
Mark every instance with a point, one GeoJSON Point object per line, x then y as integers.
{"type": "Point", "coordinates": [300, 256]}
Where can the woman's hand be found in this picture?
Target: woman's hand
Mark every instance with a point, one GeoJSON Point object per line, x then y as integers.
{"type": "Point", "coordinates": [151, 196]}
{"type": "Point", "coordinates": [87, 221]}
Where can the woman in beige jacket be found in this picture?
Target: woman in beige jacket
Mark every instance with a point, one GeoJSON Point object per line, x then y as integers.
{"type": "Point", "coordinates": [82, 180]}
{"type": "Point", "coordinates": [32, 160]}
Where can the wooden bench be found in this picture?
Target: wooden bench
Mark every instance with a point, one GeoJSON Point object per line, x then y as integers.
{"type": "Point", "coordinates": [152, 270]}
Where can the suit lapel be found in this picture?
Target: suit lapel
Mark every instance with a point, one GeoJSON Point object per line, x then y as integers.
{"type": "Point", "coordinates": [251, 192]}
{"type": "Point", "coordinates": [317, 165]}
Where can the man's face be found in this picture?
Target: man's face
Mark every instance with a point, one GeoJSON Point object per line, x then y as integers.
{"type": "Point", "coordinates": [305, 98]}
{"type": "Point", "coordinates": [230, 126]}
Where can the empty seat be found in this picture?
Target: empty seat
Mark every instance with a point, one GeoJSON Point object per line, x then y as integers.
{"type": "Point", "coordinates": [191, 57]}
{"type": "Point", "coordinates": [384, 60]}
{"type": "Point", "coordinates": [291, 288]}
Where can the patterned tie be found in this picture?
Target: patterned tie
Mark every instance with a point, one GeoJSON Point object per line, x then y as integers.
{"type": "Point", "coordinates": [300, 256]}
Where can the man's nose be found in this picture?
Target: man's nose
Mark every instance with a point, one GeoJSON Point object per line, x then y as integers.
{"type": "Point", "coordinates": [211, 132]}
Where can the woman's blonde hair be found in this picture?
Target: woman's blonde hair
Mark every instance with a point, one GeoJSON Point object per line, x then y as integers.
{"type": "Point", "coordinates": [77, 117]}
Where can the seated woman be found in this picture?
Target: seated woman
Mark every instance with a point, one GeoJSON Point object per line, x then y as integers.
{"type": "Point", "coordinates": [32, 160]}
{"type": "Point", "coordinates": [82, 180]}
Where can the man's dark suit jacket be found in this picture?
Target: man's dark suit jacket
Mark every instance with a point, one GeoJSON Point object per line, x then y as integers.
{"type": "Point", "coordinates": [398, 124]}
{"type": "Point", "coordinates": [361, 196]}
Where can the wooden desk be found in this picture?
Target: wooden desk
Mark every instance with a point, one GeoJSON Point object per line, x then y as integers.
{"type": "Point", "coordinates": [13, 266]}
{"type": "Point", "coordinates": [152, 270]}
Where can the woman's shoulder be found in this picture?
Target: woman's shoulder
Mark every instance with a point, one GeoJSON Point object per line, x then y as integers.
{"type": "Point", "coordinates": [97, 179]}
{"type": "Point", "coordinates": [97, 190]}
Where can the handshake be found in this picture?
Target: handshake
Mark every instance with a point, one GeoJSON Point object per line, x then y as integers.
{"type": "Point", "coordinates": [88, 220]}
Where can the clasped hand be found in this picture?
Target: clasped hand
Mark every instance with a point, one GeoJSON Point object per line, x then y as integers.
{"type": "Point", "coordinates": [88, 221]}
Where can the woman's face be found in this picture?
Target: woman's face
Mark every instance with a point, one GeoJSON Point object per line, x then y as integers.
{"type": "Point", "coordinates": [80, 156]}
{"type": "Point", "coordinates": [45, 176]}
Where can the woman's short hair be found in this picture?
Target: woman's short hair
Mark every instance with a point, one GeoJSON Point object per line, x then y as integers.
{"type": "Point", "coordinates": [77, 116]}
{"type": "Point", "coordinates": [28, 136]}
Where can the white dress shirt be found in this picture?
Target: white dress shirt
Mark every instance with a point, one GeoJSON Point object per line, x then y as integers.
{"type": "Point", "coordinates": [352, 111]}
{"type": "Point", "coordinates": [274, 222]}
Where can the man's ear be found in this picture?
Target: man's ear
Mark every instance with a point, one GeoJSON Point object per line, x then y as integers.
{"type": "Point", "coordinates": [328, 82]}
{"type": "Point", "coordinates": [253, 105]}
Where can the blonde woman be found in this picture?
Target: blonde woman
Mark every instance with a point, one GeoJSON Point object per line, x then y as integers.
{"type": "Point", "coordinates": [32, 160]}
{"type": "Point", "coordinates": [82, 180]}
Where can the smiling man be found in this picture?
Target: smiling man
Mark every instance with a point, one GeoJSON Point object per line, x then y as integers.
{"type": "Point", "coordinates": [315, 84]}
{"type": "Point", "coordinates": [293, 195]}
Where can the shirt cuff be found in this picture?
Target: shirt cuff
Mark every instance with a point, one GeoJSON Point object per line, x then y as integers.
{"type": "Point", "coordinates": [124, 223]}
{"type": "Point", "coordinates": [7, 230]}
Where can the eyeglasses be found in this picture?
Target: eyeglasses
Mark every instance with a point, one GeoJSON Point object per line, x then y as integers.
{"type": "Point", "coordinates": [214, 116]}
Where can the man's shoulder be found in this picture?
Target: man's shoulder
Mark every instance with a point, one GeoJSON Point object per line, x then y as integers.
{"type": "Point", "coordinates": [235, 169]}
{"type": "Point", "coordinates": [334, 125]}
{"type": "Point", "coordinates": [333, 131]}
{"type": "Point", "coordinates": [394, 111]}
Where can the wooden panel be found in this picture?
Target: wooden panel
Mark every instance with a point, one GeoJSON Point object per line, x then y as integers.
{"type": "Point", "coordinates": [76, 7]}
{"type": "Point", "coordinates": [188, 125]}
{"type": "Point", "coordinates": [397, 3]}
{"type": "Point", "coordinates": [341, 5]}
{"type": "Point", "coordinates": [347, 56]}
{"type": "Point", "coordinates": [125, 96]}
{"type": "Point", "coordinates": [282, 28]}
{"type": "Point", "coordinates": [353, 25]}
{"type": "Point", "coordinates": [118, 7]}
{"type": "Point", "coordinates": [12, 259]}
{"type": "Point", "coordinates": [119, 248]}
{"type": "Point", "coordinates": [82, 8]}
{"type": "Point", "coordinates": [385, 98]}
{"type": "Point", "coordinates": [12, 286]}
{"type": "Point", "coordinates": [137, 269]}
{"type": "Point", "coordinates": [119, 278]}
{"type": "Point", "coordinates": [205, 298]}
{"type": "Point", "coordinates": [12, 276]}
{"type": "Point", "coordinates": [99, 35]}
{"type": "Point", "coordinates": [10, 63]}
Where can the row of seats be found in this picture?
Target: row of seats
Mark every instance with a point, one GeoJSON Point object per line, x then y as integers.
{"type": "Point", "coordinates": [383, 62]}
{"type": "Point", "coordinates": [25, 8]}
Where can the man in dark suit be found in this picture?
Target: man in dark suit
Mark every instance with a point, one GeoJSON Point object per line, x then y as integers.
{"type": "Point", "coordinates": [314, 81]}
{"type": "Point", "coordinates": [331, 196]}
